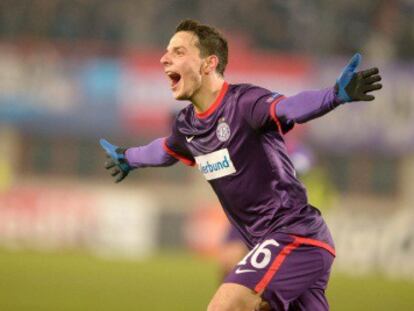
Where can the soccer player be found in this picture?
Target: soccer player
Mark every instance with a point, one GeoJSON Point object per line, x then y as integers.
{"type": "Point", "coordinates": [233, 248]}
{"type": "Point", "coordinates": [234, 133]}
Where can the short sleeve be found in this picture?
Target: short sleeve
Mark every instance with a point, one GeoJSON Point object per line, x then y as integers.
{"type": "Point", "coordinates": [258, 107]}
{"type": "Point", "coordinates": [175, 145]}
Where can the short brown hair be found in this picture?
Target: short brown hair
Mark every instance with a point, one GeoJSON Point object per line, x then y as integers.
{"type": "Point", "coordinates": [210, 41]}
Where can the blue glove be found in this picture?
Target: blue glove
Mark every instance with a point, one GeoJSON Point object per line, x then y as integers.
{"type": "Point", "coordinates": [116, 160]}
{"type": "Point", "coordinates": [354, 86]}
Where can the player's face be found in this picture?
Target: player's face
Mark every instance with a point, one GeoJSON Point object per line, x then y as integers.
{"type": "Point", "coordinates": [182, 64]}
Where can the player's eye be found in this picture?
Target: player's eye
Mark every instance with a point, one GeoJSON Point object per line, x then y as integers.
{"type": "Point", "coordinates": [179, 52]}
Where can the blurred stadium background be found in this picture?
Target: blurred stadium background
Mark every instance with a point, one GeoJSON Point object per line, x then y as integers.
{"type": "Point", "coordinates": [74, 71]}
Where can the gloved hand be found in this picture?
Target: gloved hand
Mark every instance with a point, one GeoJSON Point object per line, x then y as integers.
{"type": "Point", "coordinates": [116, 163]}
{"type": "Point", "coordinates": [354, 86]}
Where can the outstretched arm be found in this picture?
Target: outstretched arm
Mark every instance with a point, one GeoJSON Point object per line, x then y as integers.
{"type": "Point", "coordinates": [350, 86]}
{"type": "Point", "coordinates": [122, 160]}
{"type": "Point", "coordinates": [306, 105]}
{"type": "Point", "coordinates": [151, 155]}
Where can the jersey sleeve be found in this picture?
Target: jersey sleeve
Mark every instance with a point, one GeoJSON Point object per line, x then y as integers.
{"type": "Point", "coordinates": [258, 107]}
{"type": "Point", "coordinates": [151, 155]}
{"type": "Point", "coordinates": [175, 145]}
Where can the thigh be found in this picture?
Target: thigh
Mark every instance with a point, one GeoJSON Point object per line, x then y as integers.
{"type": "Point", "coordinates": [314, 298]}
{"type": "Point", "coordinates": [281, 268]}
{"type": "Point", "coordinates": [301, 281]}
{"type": "Point", "coordinates": [234, 297]}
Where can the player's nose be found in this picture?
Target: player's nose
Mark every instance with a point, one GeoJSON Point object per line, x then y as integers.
{"type": "Point", "coordinates": [165, 59]}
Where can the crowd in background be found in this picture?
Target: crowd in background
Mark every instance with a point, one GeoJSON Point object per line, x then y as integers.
{"type": "Point", "coordinates": [83, 98]}
{"type": "Point", "coordinates": [383, 28]}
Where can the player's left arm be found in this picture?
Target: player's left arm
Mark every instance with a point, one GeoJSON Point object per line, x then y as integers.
{"type": "Point", "coordinates": [123, 160]}
{"type": "Point", "coordinates": [349, 87]}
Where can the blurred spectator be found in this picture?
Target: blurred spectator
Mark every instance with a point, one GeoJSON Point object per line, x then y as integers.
{"type": "Point", "coordinates": [381, 44]}
{"type": "Point", "coordinates": [383, 28]}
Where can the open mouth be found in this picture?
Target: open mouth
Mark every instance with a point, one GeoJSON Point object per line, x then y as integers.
{"type": "Point", "coordinates": [174, 78]}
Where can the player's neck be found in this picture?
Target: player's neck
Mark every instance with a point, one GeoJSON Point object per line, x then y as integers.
{"type": "Point", "coordinates": [207, 94]}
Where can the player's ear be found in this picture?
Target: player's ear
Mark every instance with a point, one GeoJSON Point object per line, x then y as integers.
{"type": "Point", "coordinates": [210, 64]}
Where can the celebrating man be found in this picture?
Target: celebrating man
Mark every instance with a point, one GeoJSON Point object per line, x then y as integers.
{"type": "Point", "coordinates": [234, 134]}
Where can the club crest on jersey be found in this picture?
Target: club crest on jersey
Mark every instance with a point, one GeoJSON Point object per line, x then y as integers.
{"type": "Point", "coordinates": [223, 130]}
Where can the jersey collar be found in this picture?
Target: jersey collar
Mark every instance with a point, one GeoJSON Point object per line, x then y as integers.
{"type": "Point", "coordinates": [216, 103]}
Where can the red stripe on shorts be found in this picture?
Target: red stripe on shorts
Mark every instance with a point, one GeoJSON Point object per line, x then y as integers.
{"type": "Point", "coordinates": [282, 256]}
{"type": "Point", "coordinates": [275, 266]}
{"type": "Point", "coordinates": [316, 243]}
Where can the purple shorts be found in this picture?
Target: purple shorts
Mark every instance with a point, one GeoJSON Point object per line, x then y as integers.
{"type": "Point", "coordinates": [290, 272]}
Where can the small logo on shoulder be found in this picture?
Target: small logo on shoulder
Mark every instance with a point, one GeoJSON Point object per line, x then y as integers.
{"type": "Point", "coordinates": [223, 130]}
{"type": "Point", "coordinates": [272, 97]}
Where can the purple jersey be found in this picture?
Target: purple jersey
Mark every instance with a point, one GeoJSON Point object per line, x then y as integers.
{"type": "Point", "coordinates": [238, 146]}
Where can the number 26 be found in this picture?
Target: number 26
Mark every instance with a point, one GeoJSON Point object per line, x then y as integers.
{"type": "Point", "coordinates": [260, 249]}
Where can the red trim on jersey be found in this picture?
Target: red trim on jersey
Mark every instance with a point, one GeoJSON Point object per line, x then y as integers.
{"type": "Point", "coordinates": [176, 155]}
{"type": "Point", "coordinates": [216, 103]}
{"type": "Point", "coordinates": [316, 243]}
{"type": "Point", "coordinates": [273, 112]}
{"type": "Point", "coordinates": [275, 266]}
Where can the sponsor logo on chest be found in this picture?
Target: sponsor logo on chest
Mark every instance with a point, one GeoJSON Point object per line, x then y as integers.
{"type": "Point", "coordinates": [216, 164]}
